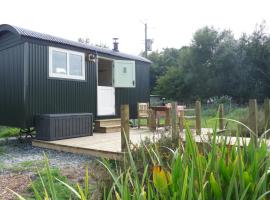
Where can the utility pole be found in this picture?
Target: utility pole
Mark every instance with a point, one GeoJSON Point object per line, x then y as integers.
{"type": "Point", "coordinates": [145, 39]}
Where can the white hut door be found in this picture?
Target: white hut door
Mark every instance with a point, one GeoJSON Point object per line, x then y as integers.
{"type": "Point", "coordinates": [106, 100]}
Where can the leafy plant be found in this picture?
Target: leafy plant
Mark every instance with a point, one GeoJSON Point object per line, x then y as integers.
{"type": "Point", "coordinates": [51, 185]}
{"type": "Point", "coordinates": [8, 132]}
{"type": "Point", "coordinates": [211, 170]}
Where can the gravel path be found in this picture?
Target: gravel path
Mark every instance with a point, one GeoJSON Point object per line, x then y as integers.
{"type": "Point", "coordinates": [13, 152]}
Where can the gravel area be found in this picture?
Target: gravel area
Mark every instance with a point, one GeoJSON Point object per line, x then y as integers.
{"type": "Point", "coordinates": [14, 152]}
{"type": "Point", "coordinates": [16, 182]}
{"type": "Point", "coordinates": [18, 161]}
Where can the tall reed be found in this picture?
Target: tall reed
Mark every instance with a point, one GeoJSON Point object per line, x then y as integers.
{"type": "Point", "coordinates": [195, 171]}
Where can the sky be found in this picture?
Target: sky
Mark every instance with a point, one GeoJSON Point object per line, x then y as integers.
{"type": "Point", "coordinates": [171, 23]}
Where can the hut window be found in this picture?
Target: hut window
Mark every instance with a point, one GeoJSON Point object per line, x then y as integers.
{"type": "Point", "coordinates": [59, 62]}
{"type": "Point", "coordinates": [66, 64]}
{"type": "Point", "coordinates": [75, 65]}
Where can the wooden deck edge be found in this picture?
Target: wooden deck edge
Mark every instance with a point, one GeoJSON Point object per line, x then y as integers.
{"type": "Point", "coordinates": [78, 150]}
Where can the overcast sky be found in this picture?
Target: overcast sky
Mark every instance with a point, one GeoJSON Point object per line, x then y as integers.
{"type": "Point", "coordinates": [171, 22]}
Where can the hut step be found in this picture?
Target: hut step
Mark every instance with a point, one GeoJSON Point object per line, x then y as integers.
{"type": "Point", "coordinates": [107, 122]}
{"type": "Point", "coordinates": [108, 125]}
{"type": "Point", "coordinates": [107, 129]}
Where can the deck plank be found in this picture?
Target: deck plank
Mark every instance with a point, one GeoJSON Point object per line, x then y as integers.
{"type": "Point", "coordinates": [99, 145]}
{"type": "Point", "coordinates": [109, 145]}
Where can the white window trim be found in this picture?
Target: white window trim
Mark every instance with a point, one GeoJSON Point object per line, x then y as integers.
{"type": "Point", "coordinates": [66, 76]}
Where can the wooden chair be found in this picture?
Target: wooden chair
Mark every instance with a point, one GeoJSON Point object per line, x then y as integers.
{"type": "Point", "coordinates": [143, 113]}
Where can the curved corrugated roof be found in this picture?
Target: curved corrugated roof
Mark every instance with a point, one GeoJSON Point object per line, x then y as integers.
{"type": "Point", "coordinates": [50, 38]}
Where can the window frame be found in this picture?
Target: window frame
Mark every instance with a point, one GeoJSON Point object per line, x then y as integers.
{"type": "Point", "coordinates": [66, 76]}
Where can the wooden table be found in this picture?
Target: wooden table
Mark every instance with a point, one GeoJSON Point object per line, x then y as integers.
{"type": "Point", "coordinates": [153, 115]}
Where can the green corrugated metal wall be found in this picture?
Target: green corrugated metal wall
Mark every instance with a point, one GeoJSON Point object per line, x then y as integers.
{"type": "Point", "coordinates": [11, 81]}
{"type": "Point", "coordinates": [8, 40]}
{"type": "Point", "coordinates": [24, 74]}
{"type": "Point", "coordinates": [50, 95]}
{"type": "Point", "coordinates": [47, 95]}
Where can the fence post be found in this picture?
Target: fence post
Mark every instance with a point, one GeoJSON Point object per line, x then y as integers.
{"type": "Point", "coordinates": [167, 118]}
{"type": "Point", "coordinates": [124, 127]}
{"type": "Point", "coordinates": [138, 114]}
{"type": "Point", "coordinates": [198, 117]}
{"type": "Point", "coordinates": [181, 120]}
{"type": "Point", "coordinates": [175, 131]}
{"type": "Point", "coordinates": [221, 117]}
{"type": "Point", "coordinates": [152, 120]}
{"type": "Point", "coordinates": [253, 119]}
{"type": "Point", "coordinates": [266, 113]}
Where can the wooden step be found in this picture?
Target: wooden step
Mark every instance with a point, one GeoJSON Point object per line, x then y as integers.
{"type": "Point", "coordinates": [108, 129]}
{"type": "Point", "coordinates": [108, 122]}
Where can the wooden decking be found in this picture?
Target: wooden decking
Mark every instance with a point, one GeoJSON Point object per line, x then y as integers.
{"type": "Point", "coordinates": [99, 145]}
{"type": "Point", "coordinates": [109, 145]}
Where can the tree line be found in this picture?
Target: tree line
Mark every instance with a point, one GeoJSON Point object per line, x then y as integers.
{"type": "Point", "coordinates": [214, 64]}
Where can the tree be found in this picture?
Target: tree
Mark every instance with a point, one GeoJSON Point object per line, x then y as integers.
{"type": "Point", "coordinates": [161, 62]}
{"type": "Point", "coordinates": [214, 64]}
{"type": "Point", "coordinates": [173, 78]}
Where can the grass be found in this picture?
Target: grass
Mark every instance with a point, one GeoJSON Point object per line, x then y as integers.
{"type": "Point", "coordinates": [8, 132]}
{"type": "Point", "coordinates": [51, 185]}
{"type": "Point", "coordinates": [22, 166]}
{"type": "Point", "coordinates": [62, 192]}
{"type": "Point", "coordinates": [236, 113]}
{"type": "Point", "coordinates": [209, 113]}
{"type": "Point", "coordinates": [30, 165]}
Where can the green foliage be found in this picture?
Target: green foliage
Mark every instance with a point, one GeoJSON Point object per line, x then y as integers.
{"type": "Point", "coordinates": [214, 64]}
{"type": "Point", "coordinates": [174, 76]}
{"type": "Point", "coordinates": [193, 171]}
{"type": "Point", "coordinates": [51, 185]}
{"type": "Point", "coordinates": [8, 132]}
{"type": "Point", "coordinates": [209, 112]}
{"type": "Point", "coordinates": [161, 62]}
{"type": "Point", "coordinates": [25, 166]}
{"type": "Point", "coordinates": [2, 150]}
{"type": "Point", "coordinates": [58, 191]}
{"type": "Point", "coordinates": [220, 100]}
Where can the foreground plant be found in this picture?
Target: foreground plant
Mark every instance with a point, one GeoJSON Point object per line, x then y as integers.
{"type": "Point", "coordinates": [211, 170]}
{"type": "Point", "coordinates": [196, 171]}
{"type": "Point", "coordinates": [52, 186]}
